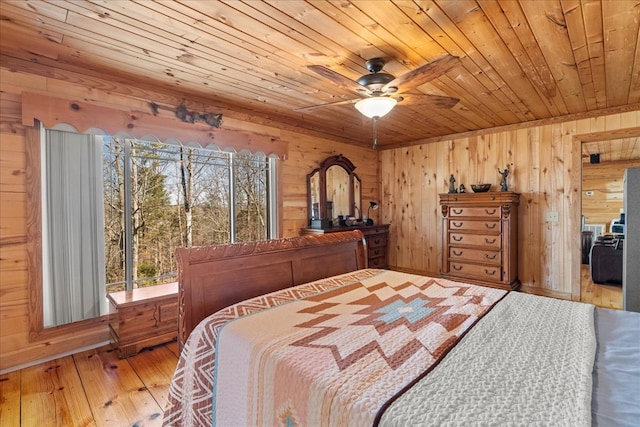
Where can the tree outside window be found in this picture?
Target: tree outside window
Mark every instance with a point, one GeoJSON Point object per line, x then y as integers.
{"type": "Point", "coordinates": [158, 197]}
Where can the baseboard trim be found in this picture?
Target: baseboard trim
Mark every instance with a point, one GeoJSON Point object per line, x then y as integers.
{"type": "Point", "coordinates": [50, 358]}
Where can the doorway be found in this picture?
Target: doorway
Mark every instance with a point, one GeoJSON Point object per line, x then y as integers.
{"type": "Point", "coordinates": [602, 174]}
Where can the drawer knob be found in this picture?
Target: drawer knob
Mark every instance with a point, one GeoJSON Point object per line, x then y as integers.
{"type": "Point", "coordinates": [376, 252]}
{"type": "Point", "coordinates": [490, 212]}
{"type": "Point", "coordinates": [489, 273]}
{"type": "Point", "coordinates": [490, 226]}
{"type": "Point", "coordinates": [487, 256]}
{"type": "Point", "coordinates": [457, 253]}
{"type": "Point", "coordinates": [458, 238]}
{"type": "Point", "coordinates": [457, 267]}
{"type": "Point", "coordinates": [459, 224]}
{"type": "Point", "coordinates": [486, 239]}
{"type": "Point", "coordinates": [457, 211]}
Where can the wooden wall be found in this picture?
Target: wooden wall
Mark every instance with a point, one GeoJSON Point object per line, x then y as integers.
{"type": "Point", "coordinates": [16, 346]}
{"type": "Point", "coordinates": [545, 163]}
{"type": "Point", "coordinates": [545, 167]}
{"type": "Point", "coordinates": [606, 181]}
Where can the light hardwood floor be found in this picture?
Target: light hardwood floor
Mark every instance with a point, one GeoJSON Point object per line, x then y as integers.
{"type": "Point", "coordinates": [95, 388]}
{"type": "Point", "coordinates": [92, 388]}
{"type": "Point", "coordinates": [607, 296]}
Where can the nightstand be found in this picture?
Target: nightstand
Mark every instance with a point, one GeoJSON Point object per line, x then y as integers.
{"type": "Point", "coordinates": [143, 317]}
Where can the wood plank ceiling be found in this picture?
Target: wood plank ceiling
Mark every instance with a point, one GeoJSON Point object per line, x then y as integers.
{"type": "Point", "coordinates": [615, 150]}
{"type": "Point", "coordinates": [518, 61]}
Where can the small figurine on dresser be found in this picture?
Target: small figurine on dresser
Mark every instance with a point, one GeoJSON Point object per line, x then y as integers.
{"type": "Point", "coordinates": [503, 180]}
{"type": "Point", "coordinates": [452, 185]}
{"type": "Point", "coordinates": [462, 189]}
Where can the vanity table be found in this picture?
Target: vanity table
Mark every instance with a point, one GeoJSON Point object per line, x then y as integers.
{"type": "Point", "coordinates": [334, 191]}
{"type": "Point", "coordinates": [377, 237]}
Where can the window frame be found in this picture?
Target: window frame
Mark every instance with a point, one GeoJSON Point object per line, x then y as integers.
{"type": "Point", "coordinates": [94, 327]}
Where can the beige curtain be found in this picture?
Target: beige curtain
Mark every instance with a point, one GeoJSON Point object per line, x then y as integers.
{"type": "Point", "coordinates": [73, 228]}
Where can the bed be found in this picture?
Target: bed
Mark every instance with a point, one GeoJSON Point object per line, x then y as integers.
{"type": "Point", "coordinates": [299, 331]}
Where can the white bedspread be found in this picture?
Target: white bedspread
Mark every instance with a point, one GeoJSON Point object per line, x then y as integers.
{"type": "Point", "coordinates": [528, 362]}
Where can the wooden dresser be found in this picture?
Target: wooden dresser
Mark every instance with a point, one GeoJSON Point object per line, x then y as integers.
{"type": "Point", "coordinates": [480, 238]}
{"type": "Point", "coordinates": [377, 237]}
{"type": "Point", "coordinates": [143, 317]}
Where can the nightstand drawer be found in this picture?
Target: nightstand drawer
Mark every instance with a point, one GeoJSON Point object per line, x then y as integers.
{"type": "Point", "coordinates": [488, 241]}
{"type": "Point", "coordinates": [475, 212]}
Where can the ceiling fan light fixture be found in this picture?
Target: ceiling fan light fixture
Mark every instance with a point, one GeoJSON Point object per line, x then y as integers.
{"type": "Point", "coordinates": [376, 106]}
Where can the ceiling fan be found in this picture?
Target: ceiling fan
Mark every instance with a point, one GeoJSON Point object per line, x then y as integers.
{"type": "Point", "coordinates": [386, 90]}
{"type": "Point", "coordinates": [380, 92]}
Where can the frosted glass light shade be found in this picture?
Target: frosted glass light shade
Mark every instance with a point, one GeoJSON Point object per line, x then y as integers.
{"type": "Point", "coordinates": [376, 106]}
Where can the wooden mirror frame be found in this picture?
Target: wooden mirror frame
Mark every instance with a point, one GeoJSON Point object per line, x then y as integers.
{"type": "Point", "coordinates": [348, 166]}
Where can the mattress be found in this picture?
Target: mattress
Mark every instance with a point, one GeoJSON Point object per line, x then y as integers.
{"type": "Point", "coordinates": [498, 368]}
{"type": "Point", "coordinates": [616, 373]}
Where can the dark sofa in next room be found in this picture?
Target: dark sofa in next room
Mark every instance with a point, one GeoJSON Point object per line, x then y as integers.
{"type": "Point", "coordinates": [605, 259]}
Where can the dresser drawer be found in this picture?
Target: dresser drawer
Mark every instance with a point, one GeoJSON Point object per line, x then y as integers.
{"type": "Point", "coordinates": [377, 251]}
{"type": "Point", "coordinates": [379, 262]}
{"type": "Point", "coordinates": [481, 226]}
{"type": "Point", "coordinates": [488, 257]}
{"type": "Point", "coordinates": [377, 241]}
{"type": "Point", "coordinates": [480, 238]}
{"type": "Point", "coordinates": [487, 241]}
{"type": "Point", "coordinates": [376, 230]}
{"type": "Point", "coordinates": [475, 212]}
{"type": "Point", "coordinates": [376, 236]}
{"type": "Point", "coordinates": [486, 272]}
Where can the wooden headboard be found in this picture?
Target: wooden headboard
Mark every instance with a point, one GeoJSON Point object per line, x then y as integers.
{"type": "Point", "coordinates": [213, 277]}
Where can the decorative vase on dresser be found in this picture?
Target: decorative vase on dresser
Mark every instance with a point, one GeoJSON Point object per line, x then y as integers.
{"type": "Point", "coordinates": [480, 238]}
{"type": "Point", "coordinates": [376, 236]}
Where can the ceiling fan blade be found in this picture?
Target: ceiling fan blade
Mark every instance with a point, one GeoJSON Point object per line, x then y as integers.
{"type": "Point", "coordinates": [330, 104]}
{"type": "Point", "coordinates": [336, 78]}
{"type": "Point", "coordinates": [433, 101]}
{"type": "Point", "coordinates": [424, 73]}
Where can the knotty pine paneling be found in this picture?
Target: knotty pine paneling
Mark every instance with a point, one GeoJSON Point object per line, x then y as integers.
{"type": "Point", "coordinates": [13, 288]}
{"type": "Point", "coordinates": [545, 167]}
{"type": "Point", "coordinates": [406, 182]}
{"type": "Point", "coordinates": [16, 347]}
{"type": "Point", "coordinates": [605, 180]}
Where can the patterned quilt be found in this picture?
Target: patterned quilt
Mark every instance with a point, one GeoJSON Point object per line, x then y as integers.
{"type": "Point", "coordinates": [331, 352]}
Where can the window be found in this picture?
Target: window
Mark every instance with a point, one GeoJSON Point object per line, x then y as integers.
{"type": "Point", "coordinates": [160, 196]}
{"type": "Point", "coordinates": [155, 197]}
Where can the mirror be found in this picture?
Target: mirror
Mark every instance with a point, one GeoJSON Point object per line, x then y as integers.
{"type": "Point", "coordinates": [338, 192]}
{"type": "Point", "coordinates": [334, 190]}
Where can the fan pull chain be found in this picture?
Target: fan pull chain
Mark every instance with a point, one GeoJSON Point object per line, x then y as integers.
{"type": "Point", "coordinates": [375, 132]}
